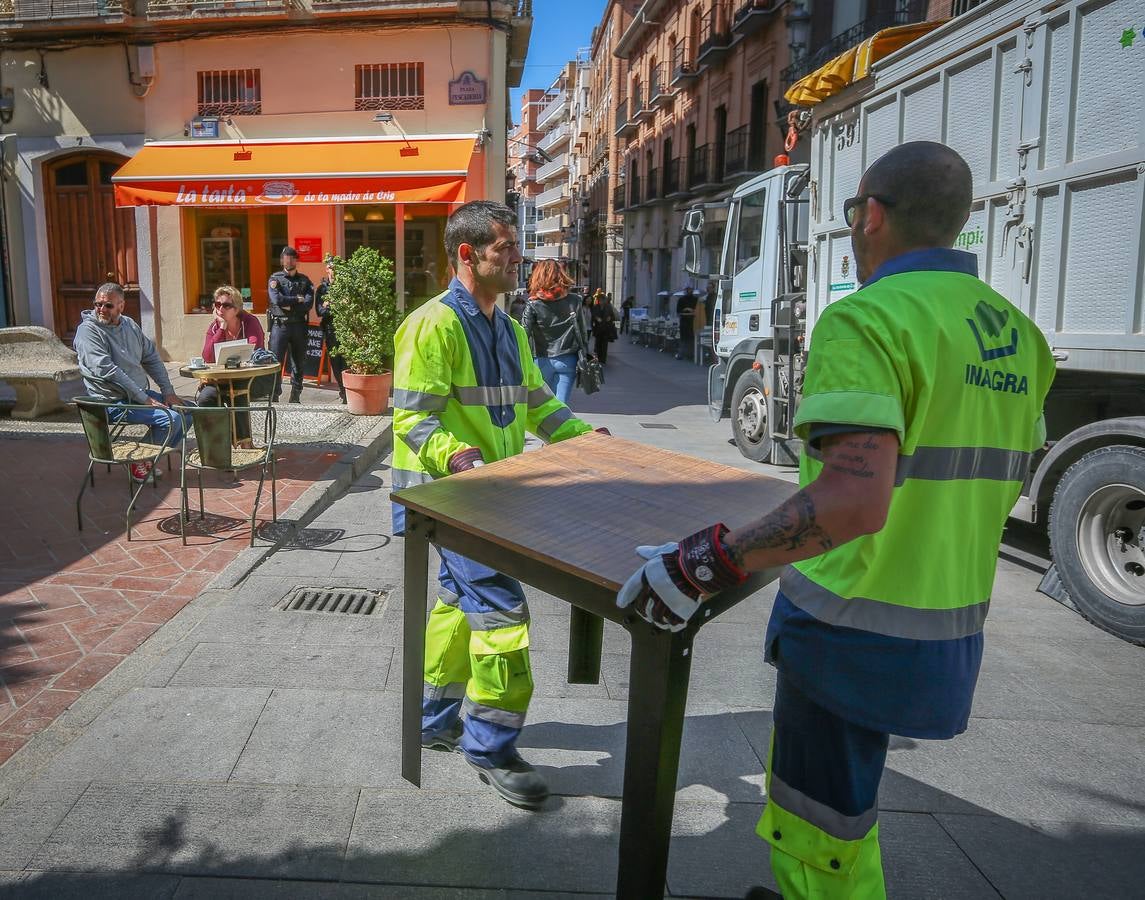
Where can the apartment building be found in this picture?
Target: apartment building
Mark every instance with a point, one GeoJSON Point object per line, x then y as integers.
{"type": "Point", "coordinates": [522, 186]}
{"type": "Point", "coordinates": [175, 145]}
{"type": "Point", "coordinates": [554, 200]}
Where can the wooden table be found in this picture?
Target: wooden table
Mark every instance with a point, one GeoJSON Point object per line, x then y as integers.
{"type": "Point", "coordinates": [237, 381]}
{"type": "Point", "coordinates": [566, 519]}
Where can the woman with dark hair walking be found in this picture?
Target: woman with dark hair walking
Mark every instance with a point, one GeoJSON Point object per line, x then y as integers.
{"type": "Point", "coordinates": [555, 327]}
{"type": "Point", "coordinates": [603, 325]}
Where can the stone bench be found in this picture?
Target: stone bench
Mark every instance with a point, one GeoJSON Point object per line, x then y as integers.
{"type": "Point", "coordinates": [34, 362]}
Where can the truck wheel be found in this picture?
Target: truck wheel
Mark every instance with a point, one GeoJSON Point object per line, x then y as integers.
{"type": "Point", "coordinates": [1097, 538]}
{"type": "Point", "coordinates": [749, 417]}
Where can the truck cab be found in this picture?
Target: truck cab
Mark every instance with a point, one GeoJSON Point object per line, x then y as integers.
{"type": "Point", "coordinates": [758, 327]}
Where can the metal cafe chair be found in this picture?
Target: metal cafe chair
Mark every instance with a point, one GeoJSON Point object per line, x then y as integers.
{"type": "Point", "coordinates": [108, 445]}
{"type": "Point", "coordinates": [213, 427]}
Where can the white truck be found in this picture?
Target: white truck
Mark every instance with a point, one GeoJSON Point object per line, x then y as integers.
{"type": "Point", "coordinates": [1045, 102]}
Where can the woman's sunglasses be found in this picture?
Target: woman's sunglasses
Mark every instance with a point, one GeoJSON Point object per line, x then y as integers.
{"type": "Point", "coordinates": [219, 305]}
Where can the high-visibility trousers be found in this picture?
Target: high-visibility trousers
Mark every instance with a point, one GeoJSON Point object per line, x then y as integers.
{"type": "Point", "coordinates": [821, 818]}
{"type": "Point", "coordinates": [477, 660]}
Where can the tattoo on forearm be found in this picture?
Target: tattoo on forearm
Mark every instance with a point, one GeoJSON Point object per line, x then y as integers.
{"type": "Point", "coordinates": [789, 527]}
{"type": "Point", "coordinates": [848, 456]}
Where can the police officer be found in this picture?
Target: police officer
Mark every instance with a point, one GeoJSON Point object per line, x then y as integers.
{"type": "Point", "coordinates": [291, 296]}
{"type": "Point", "coordinates": [912, 461]}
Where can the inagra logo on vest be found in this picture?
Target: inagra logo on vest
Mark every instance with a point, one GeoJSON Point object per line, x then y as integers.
{"type": "Point", "coordinates": [992, 322]}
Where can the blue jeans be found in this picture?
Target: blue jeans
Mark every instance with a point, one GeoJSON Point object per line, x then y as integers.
{"type": "Point", "coordinates": [157, 419]}
{"type": "Point", "coordinates": [559, 373]}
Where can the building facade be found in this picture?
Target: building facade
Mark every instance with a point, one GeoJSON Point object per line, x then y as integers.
{"type": "Point", "coordinates": [521, 182]}
{"type": "Point", "coordinates": [232, 131]}
{"type": "Point", "coordinates": [555, 126]}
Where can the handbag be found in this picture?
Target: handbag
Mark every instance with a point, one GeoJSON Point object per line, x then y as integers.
{"type": "Point", "coordinates": [589, 373]}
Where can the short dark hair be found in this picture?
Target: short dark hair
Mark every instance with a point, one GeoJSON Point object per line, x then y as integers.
{"type": "Point", "coordinates": [472, 223]}
{"type": "Point", "coordinates": [109, 287]}
{"type": "Point", "coordinates": [932, 190]}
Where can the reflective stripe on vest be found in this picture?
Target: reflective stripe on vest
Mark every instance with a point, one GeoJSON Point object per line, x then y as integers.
{"type": "Point", "coordinates": [890, 619]}
{"type": "Point", "coordinates": [553, 421]}
{"type": "Point", "coordinates": [845, 828]}
{"type": "Point", "coordinates": [499, 395]}
{"type": "Point", "coordinates": [404, 478]}
{"type": "Point", "coordinates": [416, 437]}
{"type": "Point", "coordinates": [492, 714]}
{"type": "Point", "coordinates": [955, 464]}
{"type": "Point", "coordinates": [540, 396]}
{"type": "Point", "coordinates": [419, 401]}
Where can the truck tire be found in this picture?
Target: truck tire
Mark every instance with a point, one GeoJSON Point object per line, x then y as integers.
{"type": "Point", "coordinates": [1097, 538]}
{"type": "Point", "coordinates": [750, 427]}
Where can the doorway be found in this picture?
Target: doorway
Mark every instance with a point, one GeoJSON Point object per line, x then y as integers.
{"type": "Point", "coordinates": [89, 241]}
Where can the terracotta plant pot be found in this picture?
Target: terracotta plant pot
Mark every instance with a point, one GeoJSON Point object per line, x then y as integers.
{"type": "Point", "coordinates": [367, 395]}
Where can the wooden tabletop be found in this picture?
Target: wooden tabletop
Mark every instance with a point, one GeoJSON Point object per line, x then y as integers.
{"type": "Point", "coordinates": [583, 505]}
{"type": "Point", "coordinates": [221, 373]}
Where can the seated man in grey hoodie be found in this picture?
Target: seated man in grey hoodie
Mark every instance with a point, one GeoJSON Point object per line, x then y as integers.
{"type": "Point", "coordinates": [116, 358]}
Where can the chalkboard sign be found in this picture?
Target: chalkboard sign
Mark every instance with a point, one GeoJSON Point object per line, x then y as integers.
{"type": "Point", "coordinates": [314, 336]}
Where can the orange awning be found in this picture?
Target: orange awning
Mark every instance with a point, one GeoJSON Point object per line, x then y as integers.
{"type": "Point", "coordinates": [854, 64]}
{"type": "Point", "coordinates": [299, 173]}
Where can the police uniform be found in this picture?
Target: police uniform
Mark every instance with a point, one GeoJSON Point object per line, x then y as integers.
{"type": "Point", "coordinates": [463, 381]}
{"type": "Point", "coordinates": [291, 297]}
{"type": "Point", "coordinates": [883, 635]}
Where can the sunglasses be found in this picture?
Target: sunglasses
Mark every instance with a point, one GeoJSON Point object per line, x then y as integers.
{"type": "Point", "coordinates": [224, 305]}
{"type": "Point", "coordinates": [109, 305]}
{"type": "Point", "coordinates": [849, 206]}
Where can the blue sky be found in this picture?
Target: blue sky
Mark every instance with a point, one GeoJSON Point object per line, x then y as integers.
{"type": "Point", "coordinates": [560, 27]}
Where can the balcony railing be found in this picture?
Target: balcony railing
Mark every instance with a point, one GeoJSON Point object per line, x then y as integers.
{"type": "Point", "coordinates": [559, 194]}
{"type": "Point", "coordinates": [715, 38]}
{"type": "Point", "coordinates": [672, 185]}
{"type": "Point", "coordinates": [700, 168]}
{"type": "Point", "coordinates": [683, 66]}
{"type": "Point", "coordinates": [548, 251]}
{"type": "Point", "coordinates": [659, 91]}
{"type": "Point", "coordinates": [554, 168]}
{"type": "Point", "coordinates": [908, 12]}
{"type": "Point", "coordinates": [621, 115]}
{"type": "Point", "coordinates": [556, 137]}
{"type": "Point", "coordinates": [751, 16]}
{"type": "Point", "coordinates": [557, 106]}
{"type": "Point", "coordinates": [198, 9]}
{"type": "Point", "coordinates": [551, 224]}
{"type": "Point", "coordinates": [56, 10]}
{"type": "Point", "coordinates": [634, 190]}
{"type": "Point", "coordinates": [735, 154]}
{"type": "Point", "coordinates": [652, 186]}
{"type": "Point", "coordinates": [619, 196]}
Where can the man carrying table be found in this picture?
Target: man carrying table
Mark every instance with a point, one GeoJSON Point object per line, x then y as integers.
{"type": "Point", "coordinates": [910, 468]}
{"type": "Point", "coordinates": [465, 391]}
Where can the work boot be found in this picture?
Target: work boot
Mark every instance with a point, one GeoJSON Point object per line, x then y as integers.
{"type": "Point", "coordinates": [444, 740]}
{"type": "Point", "coordinates": [296, 395]}
{"type": "Point", "coordinates": [516, 781]}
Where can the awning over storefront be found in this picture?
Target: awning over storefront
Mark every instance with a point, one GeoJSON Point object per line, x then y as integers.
{"type": "Point", "coordinates": [300, 172]}
{"type": "Point", "coordinates": [854, 64]}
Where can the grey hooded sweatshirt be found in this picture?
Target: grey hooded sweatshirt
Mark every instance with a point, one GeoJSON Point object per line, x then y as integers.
{"type": "Point", "coordinates": [116, 360]}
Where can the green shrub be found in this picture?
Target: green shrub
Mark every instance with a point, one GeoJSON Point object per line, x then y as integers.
{"type": "Point", "coordinates": [365, 311]}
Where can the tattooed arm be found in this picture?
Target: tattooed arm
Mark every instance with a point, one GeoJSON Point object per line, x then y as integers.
{"type": "Point", "coordinates": [849, 499]}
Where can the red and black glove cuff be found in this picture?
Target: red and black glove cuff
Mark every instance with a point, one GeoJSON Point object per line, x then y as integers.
{"type": "Point", "coordinates": [464, 459]}
{"type": "Point", "coordinates": [703, 563]}
{"type": "Point", "coordinates": [602, 430]}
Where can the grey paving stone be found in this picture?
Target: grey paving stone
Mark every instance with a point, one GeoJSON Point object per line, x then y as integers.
{"type": "Point", "coordinates": [1049, 696]}
{"type": "Point", "coordinates": [193, 888]}
{"type": "Point", "coordinates": [243, 830]}
{"type": "Point", "coordinates": [159, 734]}
{"type": "Point", "coordinates": [428, 838]}
{"type": "Point", "coordinates": [270, 626]}
{"type": "Point", "coordinates": [1055, 860]}
{"type": "Point", "coordinates": [727, 676]}
{"type": "Point", "coordinates": [275, 665]}
{"type": "Point", "coordinates": [94, 886]}
{"type": "Point", "coordinates": [27, 819]}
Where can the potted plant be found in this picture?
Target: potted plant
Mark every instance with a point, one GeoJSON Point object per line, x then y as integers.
{"type": "Point", "coordinates": [365, 317]}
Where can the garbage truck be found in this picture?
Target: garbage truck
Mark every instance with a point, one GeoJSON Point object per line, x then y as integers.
{"type": "Point", "coordinates": [1042, 99]}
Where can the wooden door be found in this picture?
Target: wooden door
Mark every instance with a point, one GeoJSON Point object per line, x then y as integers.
{"type": "Point", "coordinates": [89, 241]}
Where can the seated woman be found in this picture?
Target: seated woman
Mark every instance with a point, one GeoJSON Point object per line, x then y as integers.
{"type": "Point", "coordinates": [231, 324]}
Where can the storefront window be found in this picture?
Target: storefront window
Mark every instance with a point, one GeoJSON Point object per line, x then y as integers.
{"type": "Point", "coordinates": [423, 269]}
{"type": "Point", "coordinates": [236, 247]}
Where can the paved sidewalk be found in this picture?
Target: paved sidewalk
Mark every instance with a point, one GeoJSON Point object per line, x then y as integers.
{"type": "Point", "coordinates": [248, 752]}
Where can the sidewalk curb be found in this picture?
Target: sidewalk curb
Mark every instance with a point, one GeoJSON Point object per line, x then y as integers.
{"type": "Point", "coordinates": [27, 762]}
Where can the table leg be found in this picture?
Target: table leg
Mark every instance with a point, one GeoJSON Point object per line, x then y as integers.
{"type": "Point", "coordinates": [417, 535]}
{"type": "Point", "coordinates": [586, 634]}
{"type": "Point", "coordinates": [657, 695]}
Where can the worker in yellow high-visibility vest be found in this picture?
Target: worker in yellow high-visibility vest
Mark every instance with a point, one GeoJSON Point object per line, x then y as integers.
{"type": "Point", "coordinates": [466, 388]}
{"type": "Point", "coordinates": [921, 409]}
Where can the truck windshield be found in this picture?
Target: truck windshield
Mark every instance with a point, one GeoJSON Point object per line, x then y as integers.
{"type": "Point", "coordinates": [749, 231]}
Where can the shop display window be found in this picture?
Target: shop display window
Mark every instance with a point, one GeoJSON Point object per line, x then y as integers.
{"type": "Point", "coordinates": [236, 247]}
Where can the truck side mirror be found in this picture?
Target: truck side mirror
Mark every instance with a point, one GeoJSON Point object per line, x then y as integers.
{"type": "Point", "coordinates": [694, 221]}
{"type": "Point", "coordinates": [692, 253]}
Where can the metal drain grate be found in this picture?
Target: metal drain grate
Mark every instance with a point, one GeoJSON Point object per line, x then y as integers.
{"type": "Point", "coordinates": [331, 600]}
{"type": "Point", "coordinates": [663, 425]}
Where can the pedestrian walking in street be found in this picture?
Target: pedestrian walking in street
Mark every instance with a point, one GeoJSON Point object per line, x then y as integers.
{"type": "Point", "coordinates": [115, 359]}
{"type": "Point", "coordinates": [231, 323]}
{"type": "Point", "coordinates": [891, 543]}
{"type": "Point", "coordinates": [603, 325]}
{"type": "Point", "coordinates": [466, 389]}
{"type": "Point", "coordinates": [626, 313]}
{"type": "Point", "coordinates": [291, 296]}
{"type": "Point", "coordinates": [554, 323]}
{"type": "Point", "coordinates": [322, 310]}
{"type": "Point", "coordinates": [685, 312]}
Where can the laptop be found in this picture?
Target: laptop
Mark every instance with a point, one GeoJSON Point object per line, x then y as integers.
{"type": "Point", "coordinates": [238, 350]}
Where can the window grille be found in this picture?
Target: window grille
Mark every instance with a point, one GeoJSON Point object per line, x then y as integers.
{"type": "Point", "coordinates": [389, 86]}
{"type": "Point", "coordinates": [230, 92]}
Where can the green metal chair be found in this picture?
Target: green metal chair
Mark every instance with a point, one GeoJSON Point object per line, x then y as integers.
{"type": "Point", "coordinates": [108, 445]}
{"type": "Point", "coordinates": [213, 427]}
